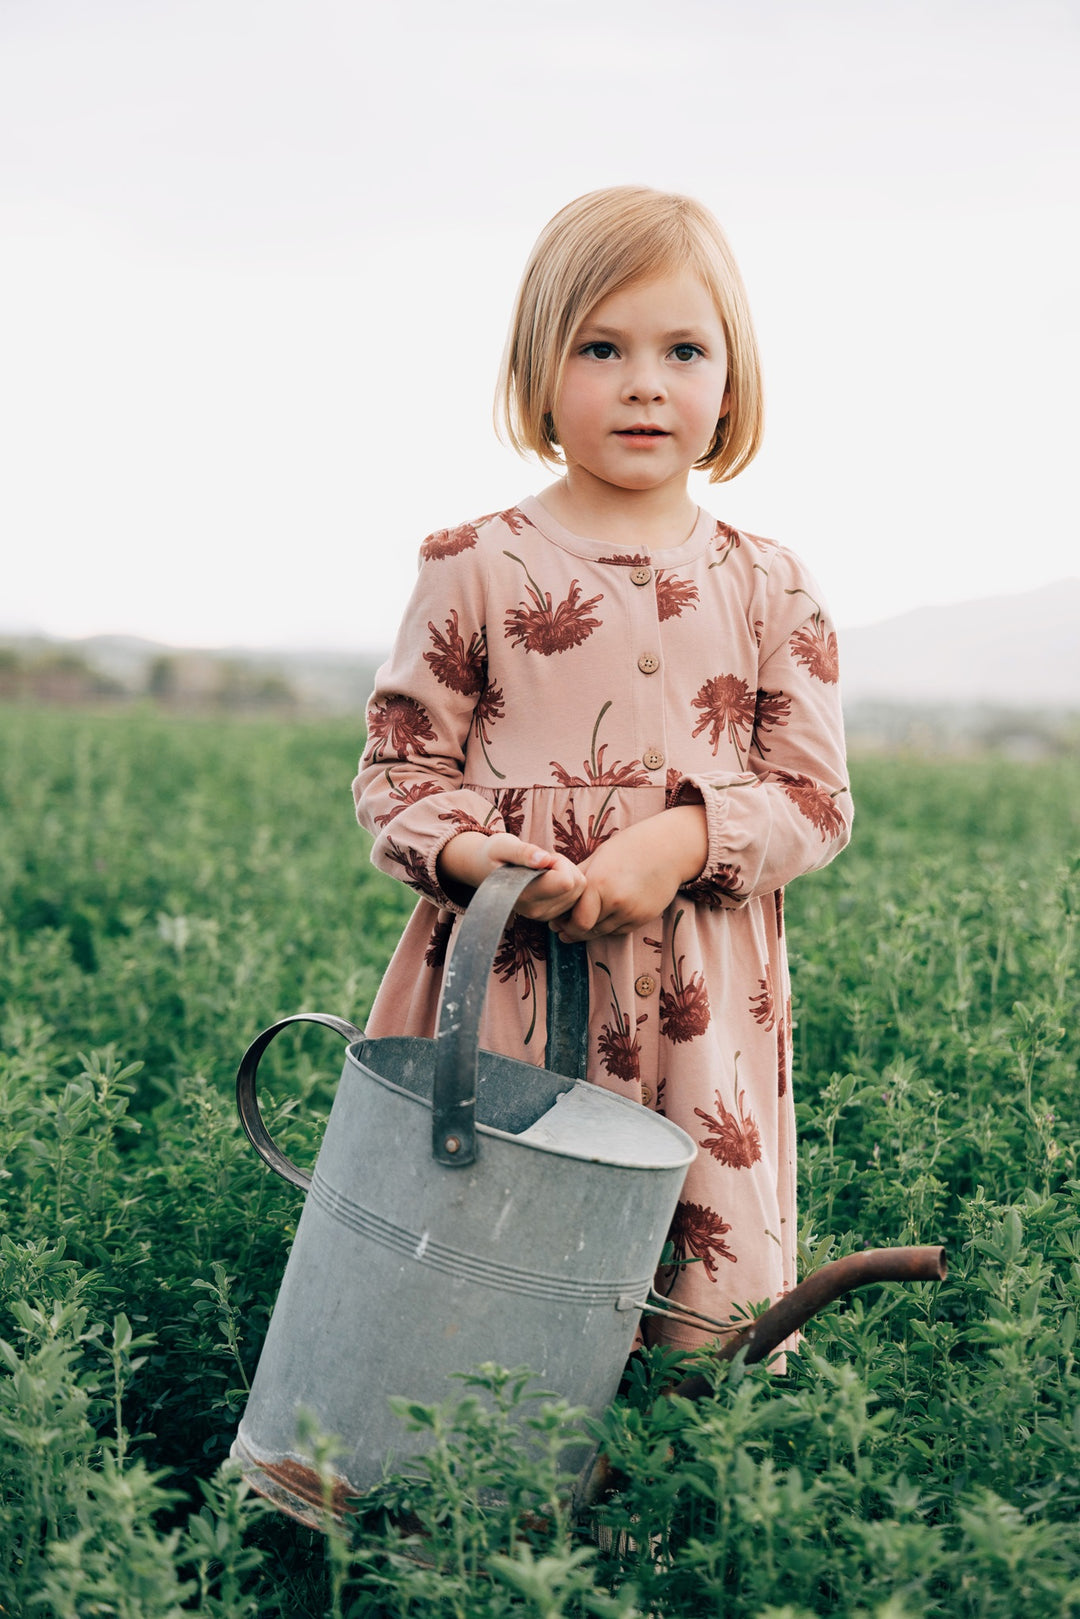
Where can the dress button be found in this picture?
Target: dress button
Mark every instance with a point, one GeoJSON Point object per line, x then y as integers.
{"type": "Point", "coordinates": [652, 759]}
{"type": "Point", "coordinates": [645, 985]}
{"type": "Point", "coordinates": [648, 663]}
{"type": "Point", "coordinates": [646, 1095]}
{"type": "Point", "coordinates": [640, 576]}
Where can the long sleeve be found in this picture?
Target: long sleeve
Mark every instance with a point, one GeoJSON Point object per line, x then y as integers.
{"type": "Point", "coordinates": [789, 810]}
{"type": "Point", "coordinates": [429, 696]}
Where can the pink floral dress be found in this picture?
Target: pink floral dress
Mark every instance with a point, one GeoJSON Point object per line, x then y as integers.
{"type": "Point", "coordinates": [562, 689]}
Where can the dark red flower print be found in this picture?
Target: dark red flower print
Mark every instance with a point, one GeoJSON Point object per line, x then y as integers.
{"type": "Point", "coordinates": [447, 542]}
{"type": "Point", "coordinates": [815, 802]}
{"type": "Point", "coordinates": [524, 943]}
{"type": "Point", "coordinates": [736, 1139]}
{"type": "Point", "coordinates": [576, 842]}
{"type": "Point", "coordinates": [672, 595]}
{"type": "Point", "coordinates": [814, 644]}
{"type": "Point", "coordinates": [673, 782]}
{"type": "Point", "coordinates": [661, 1095]}
{"type": "Point", "coordinates": [462, 820]}
{"type": "Point", "coordinates": [454, 664]}
{"type": "Point", "coordinates": [511, 806]}
{"type": "Point", "coordinates": [489, 708]}
{"type": "Point", "coordinates": [435, 954]}
{"type": "Point", "coordinates": [403, 796]}
{"type": "Point", "coordinates": [544, 629]}
{"type": "Point", "coordinates": [815, 648]}
{"type": "Point", "coordinates": [597, 774]}
{"type": "Point", "coordinates": [725, 540]}
{"type": "Point", "coordinates": [698, 1232]}
{"type": "Point", "coordinates": [762, 1005]}
{"type": "Point", "coordinates": [628, 559]}
{"type": "Point", "coordinates": [618, 1045]}
{"type": "Point", "coordinates": [515, 519]}
{"type": "Point", "coordinates": [783, 1049]}
{"type": "Point", "coordinates": [414, 870]}
{"type": "Point", "coordinates": [778, 902]}
{"type": "Point", "coordinates": [684, 1008]}
{"type": "Point", "coordinates": [719, 886]}
{"type": "Point", "coordinates": [401, 726]}
{"type": "Point", "coordinates": [727, 709]}
{"type": "Point", "coordinates": [771, 709]}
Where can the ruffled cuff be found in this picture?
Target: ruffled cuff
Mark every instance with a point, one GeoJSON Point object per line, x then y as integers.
{"type": "Point", "coordinates": [719, 885]}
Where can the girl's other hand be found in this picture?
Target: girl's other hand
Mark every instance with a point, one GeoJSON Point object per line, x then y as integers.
{"type": "Point", "coordinates": [635, 875]}
{"type": "Point", "coordinates": [466, 860]}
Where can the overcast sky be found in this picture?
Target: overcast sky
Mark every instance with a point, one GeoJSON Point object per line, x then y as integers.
{"type": "Point", "coordinates": [258, 258]}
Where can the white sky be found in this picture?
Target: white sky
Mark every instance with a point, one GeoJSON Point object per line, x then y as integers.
{"type": "Point", "coordinates": [257, 259]}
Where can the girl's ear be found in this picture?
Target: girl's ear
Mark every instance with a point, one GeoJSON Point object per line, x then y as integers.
{"type": "Point", "coordinates": [725, 404]}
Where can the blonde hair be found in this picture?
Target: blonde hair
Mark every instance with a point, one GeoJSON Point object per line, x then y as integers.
{"type": "Point", "coordinates": [593, 247]}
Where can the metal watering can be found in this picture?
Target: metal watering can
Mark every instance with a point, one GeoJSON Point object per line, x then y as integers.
{"type": "Point", "coordinates": [464, 1207]}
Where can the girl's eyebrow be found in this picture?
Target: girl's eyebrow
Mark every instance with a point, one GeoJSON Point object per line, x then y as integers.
{"type": "Point", "coordinates": [681, 334]}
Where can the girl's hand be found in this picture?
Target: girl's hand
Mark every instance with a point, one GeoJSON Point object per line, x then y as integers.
{"type": "Point", "coordinates": [466, 860]}
{"type": "Point", "coordinates": [634, 876]}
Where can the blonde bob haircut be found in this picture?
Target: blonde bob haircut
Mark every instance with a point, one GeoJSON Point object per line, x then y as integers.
{"type": "Point", "coordinates": [593, 247]}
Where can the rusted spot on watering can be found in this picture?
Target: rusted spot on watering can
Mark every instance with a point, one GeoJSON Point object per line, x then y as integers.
{"type": "Point", "coordinates": [294, 1488]}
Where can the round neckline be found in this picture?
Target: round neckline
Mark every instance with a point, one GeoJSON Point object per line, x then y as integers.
{"type": "Point", "coordinates": [625, 555]}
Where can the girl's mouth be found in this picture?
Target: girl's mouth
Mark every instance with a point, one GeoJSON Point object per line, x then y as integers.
{"type": "Point", "coordinates": [641, 432]}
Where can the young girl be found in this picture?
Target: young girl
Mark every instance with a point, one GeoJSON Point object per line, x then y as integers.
{"type": "Point", "coordinates": [609, 685]}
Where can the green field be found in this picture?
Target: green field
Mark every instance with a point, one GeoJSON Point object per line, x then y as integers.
{"type": "Point", "coordinates": [170, 886]}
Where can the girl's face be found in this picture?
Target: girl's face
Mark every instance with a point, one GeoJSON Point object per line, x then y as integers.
{"type": "Point", "coordinates": [644, 387]}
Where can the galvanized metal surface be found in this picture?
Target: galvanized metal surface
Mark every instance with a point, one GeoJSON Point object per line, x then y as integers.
{"type": "Point", "coordinates": [405, 1270]}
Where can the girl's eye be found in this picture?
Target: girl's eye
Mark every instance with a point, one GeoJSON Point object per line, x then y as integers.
{"type": "Point", "coordinates": [686, 351]}
{"type": "Point", "coordinates": [599, 351]}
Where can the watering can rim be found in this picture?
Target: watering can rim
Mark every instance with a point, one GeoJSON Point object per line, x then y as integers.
{"type": "Point", "coordinates": [643, 1116]}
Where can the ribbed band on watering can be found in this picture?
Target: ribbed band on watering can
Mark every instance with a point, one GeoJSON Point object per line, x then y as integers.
{"type": "Point", "coordinates": [453, 1114]}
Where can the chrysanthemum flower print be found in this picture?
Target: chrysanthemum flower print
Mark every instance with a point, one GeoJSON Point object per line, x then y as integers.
{"type": "Point", "coordinates": [435, 954]}
{"type": "Point", "coordinates": [684, 1008]}
{"type": "Point", "coordinates": [399, 725]}
{"type": "Point", "coordinates": [762, 1004]}
{"type": "Point", "coordinates": [719, 887]}
{"type": "Point", "coordinates": [725, 541]}
{"type": "Point", "coordinates": [618, 1044]}
{"type": "Point", "coordinates": [599, 774]}
{"type": "Point", "coordinates": [815, 648]}
{"type": "Point", "coordinates": [546, 629]}
{"type": "Point", "coordinates": [728, 707]}
{"type": "Point", "coordinates": [815, 802]}
{"type": "Point", "coordinates": [578, 842]}
{"type": "Point", "coordinates": [814, 645]}
{"type": "Point", "coordinates": [490, 707]}
{"type": "Point", "coordinates": [673, 594]}
{"type": "Point", "coordinates": [413, 870]}
{"type": "Point", "coordinates": [449, 542]}
{"type": "Point", "coordinates": [510, 804]}
{"type": "Point", "coordinates": [735, 1140]}
{"type": "Point", "coordinates": [771, 710]}
{"type": "Point", "coordinates": [524, 943]}
{"type": "Point", "coordinates": [454, 663]}
{"type": "Point", "coordinates": [698, 1232]}
{"type": "Point", "coordinates": [401, 796]}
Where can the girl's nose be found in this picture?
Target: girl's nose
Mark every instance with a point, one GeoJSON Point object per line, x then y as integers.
{"type": "Point", "coordinates": [642, 385]}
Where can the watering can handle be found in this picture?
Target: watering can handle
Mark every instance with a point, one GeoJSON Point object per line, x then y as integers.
{"type": "Point", "coordinates": [453, 1113]}
{"type": "Point", "coordinates": [247, 1104]}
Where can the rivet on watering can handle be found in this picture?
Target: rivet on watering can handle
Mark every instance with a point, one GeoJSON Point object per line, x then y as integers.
{"type": "Point", "coordinates": [247, 1102]}
{"type": "Point", "coordinates": [453, 1112]}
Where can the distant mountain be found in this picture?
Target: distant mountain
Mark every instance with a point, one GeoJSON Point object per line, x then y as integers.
{"type": "Point", "coordinates": [1018, 651]}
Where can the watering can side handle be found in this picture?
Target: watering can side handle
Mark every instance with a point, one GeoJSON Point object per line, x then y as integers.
{"type": "Point", "coordinates": [247, 1104]}
{"type": "Point", "coordinates": [465, 983]}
